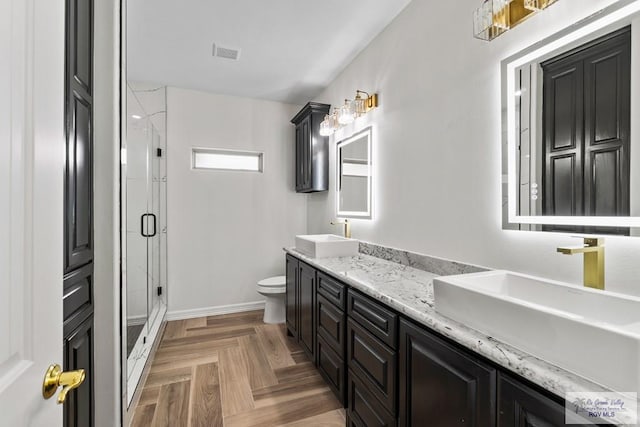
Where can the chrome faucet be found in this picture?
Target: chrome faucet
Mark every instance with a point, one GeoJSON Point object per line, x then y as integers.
{"type": "Point", "coordinates": [593, 250]}
{"type": "Point", "coordinates": [347, 227]}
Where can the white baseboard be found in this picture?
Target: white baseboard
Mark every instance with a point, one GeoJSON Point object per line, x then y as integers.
{"type": "Point", "coordinates": [214, 311]}
{"type": "Point", "coordinates": [137, 320]}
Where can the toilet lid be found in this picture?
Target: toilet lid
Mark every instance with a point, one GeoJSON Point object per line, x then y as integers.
{"type": "Point", "coordinates": [273, 281]}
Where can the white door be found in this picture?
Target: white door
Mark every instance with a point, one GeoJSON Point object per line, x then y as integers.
{"type": "Point", "coordinates": [31, 207]}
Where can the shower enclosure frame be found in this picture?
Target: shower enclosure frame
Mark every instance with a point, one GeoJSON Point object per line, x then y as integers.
{"type": "Point", "coordinates": [143, 231]}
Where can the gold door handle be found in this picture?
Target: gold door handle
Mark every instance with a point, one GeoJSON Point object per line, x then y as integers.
{"type": "Point", "coordinates": [55, 378]}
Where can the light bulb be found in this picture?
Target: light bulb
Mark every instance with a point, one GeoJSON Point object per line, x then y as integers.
{"type": "Point", "coordinates": [362, 104]}
{"type": "Point", "coordinates": [325, 127]}
{"type": "Point", "coordinates": [346, 113]}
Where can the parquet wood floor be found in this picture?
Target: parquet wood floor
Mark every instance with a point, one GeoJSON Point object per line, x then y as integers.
{"type": "Point", "coordinates": [233, 370]}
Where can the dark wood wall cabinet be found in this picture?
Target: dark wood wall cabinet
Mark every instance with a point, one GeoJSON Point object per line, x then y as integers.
{"type": "Point", "coordinates": [389, 371]}
{"type": "Point", "coordinates": [312, 149]}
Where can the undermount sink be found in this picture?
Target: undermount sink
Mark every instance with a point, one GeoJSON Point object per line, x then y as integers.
{"type": "Point", "coordinates": [326, 245]}
{"type": "Point", "coordinates": [595, 334]}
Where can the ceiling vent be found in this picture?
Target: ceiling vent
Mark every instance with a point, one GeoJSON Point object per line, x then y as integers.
{"type": "Point", "coordinates": [225, 52]}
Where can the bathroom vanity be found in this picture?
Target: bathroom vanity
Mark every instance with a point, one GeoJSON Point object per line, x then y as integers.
{"type": "Point", "coordinates": [371, 328]}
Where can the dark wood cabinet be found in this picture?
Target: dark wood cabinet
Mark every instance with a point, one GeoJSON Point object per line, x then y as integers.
{"type": "Point", "coordinates": [291, 296]}
{"type": "Point", "coordinates": [312, 149]}
{"type": "Point", "coordinates": [307, 326]}
{"type": "Point", "coordinates": [441, 384]}
{"type": "Point", "coordinates": [388, 371]}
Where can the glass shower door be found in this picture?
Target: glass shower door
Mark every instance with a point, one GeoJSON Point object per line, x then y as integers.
{"type": "Point", "coordinates": [144, 212]}
{"type": "Point", "coordinates": [138, 141]}
{"type": "Point", "coordinates": [157, 185]}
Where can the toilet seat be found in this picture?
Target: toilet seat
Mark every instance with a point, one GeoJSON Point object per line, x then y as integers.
{"type": "Point", "coordinates": [273, 281]}
{"type": "Point", "coordinates": [273, 285]}
{"type": "Point", "coordinates": [271, 289]}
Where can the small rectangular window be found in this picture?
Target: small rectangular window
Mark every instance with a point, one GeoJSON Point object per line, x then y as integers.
{"type": "Point", "coordinates": [213, 158]}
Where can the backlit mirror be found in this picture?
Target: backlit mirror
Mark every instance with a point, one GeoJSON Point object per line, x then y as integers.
{"type": "Point", "coordinates": [354, 176]}
{"type": "Point", "coordinates": [572, 146]}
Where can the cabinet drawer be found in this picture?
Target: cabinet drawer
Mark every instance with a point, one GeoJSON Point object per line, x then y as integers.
{"type": "Point", "coordinates": [332, 368]}
{"type": "Point", "coordinates": [332, 290]}
{"type": "Point", "coordinates": [364, 409]}
{"type": "Point", "coordinates": [380, 321]}
{"type": "Point", "coordinates": [373, 362]}
{"type": "Point", "coordinates": [331, 325]}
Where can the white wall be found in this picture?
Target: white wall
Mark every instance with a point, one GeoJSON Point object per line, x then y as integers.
{"type": "Point", "coordinates": [226, 229]}
{"type": "Point", "coordinates": [437, 160]}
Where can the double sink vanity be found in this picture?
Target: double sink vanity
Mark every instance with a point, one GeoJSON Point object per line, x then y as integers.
{"type": "Point", "coordinates": [406, 339]}
{"type": "Point", "coordinates": [403, 338]}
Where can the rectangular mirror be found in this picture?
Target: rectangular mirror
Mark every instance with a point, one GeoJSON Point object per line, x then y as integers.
{"type": "Point", "coordinates": [571, 148]}
{"type": "Point", "coordinates": [353, 179]}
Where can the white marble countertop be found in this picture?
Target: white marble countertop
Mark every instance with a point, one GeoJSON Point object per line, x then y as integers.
{"type": "Point", "coordinates": [410, 292]}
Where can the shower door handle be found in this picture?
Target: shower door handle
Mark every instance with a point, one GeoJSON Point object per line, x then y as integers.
{"type": "Point", "coordinates": [155, 220]}
{"type": "Point", "coordinates": [142, 218]}
{"type": "Point", "coordinates": [155, 228]}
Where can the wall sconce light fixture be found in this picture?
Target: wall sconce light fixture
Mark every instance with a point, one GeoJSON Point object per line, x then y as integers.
{"type": "Point", "coordinates": [348, 112]}
{"type": "Point", "coordinates": [494, 17]}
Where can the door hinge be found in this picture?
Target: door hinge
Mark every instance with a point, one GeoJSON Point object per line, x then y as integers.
{"type": "Point", "coordinates": [159, 290]}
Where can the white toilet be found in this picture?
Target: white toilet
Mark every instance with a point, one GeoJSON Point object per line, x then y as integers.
{"type": "Point", "coordinates": [273, 289]}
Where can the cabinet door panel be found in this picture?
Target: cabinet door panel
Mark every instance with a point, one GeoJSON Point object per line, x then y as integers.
{"type": "Point", "coordinates": [373, 362]}
{"type": "Point", "coordinates": [442, 384]}
{"type": "Point", "coordinates": [521, 406]}
{"type": "Point", "coordinates": [331, 324]}
{"type": "Point", "coordinates": [299, 159]}
{"type": "Point", "coordinates": [332, 368]}
{"type": "Point", "coordinates": [307, 289]}
{"type": "Point", "coordinates": [291, 297]}
{"type": "Point", "coordinates": [364, 409]}
{"type": "Point", "coordinates": [307, 160]}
